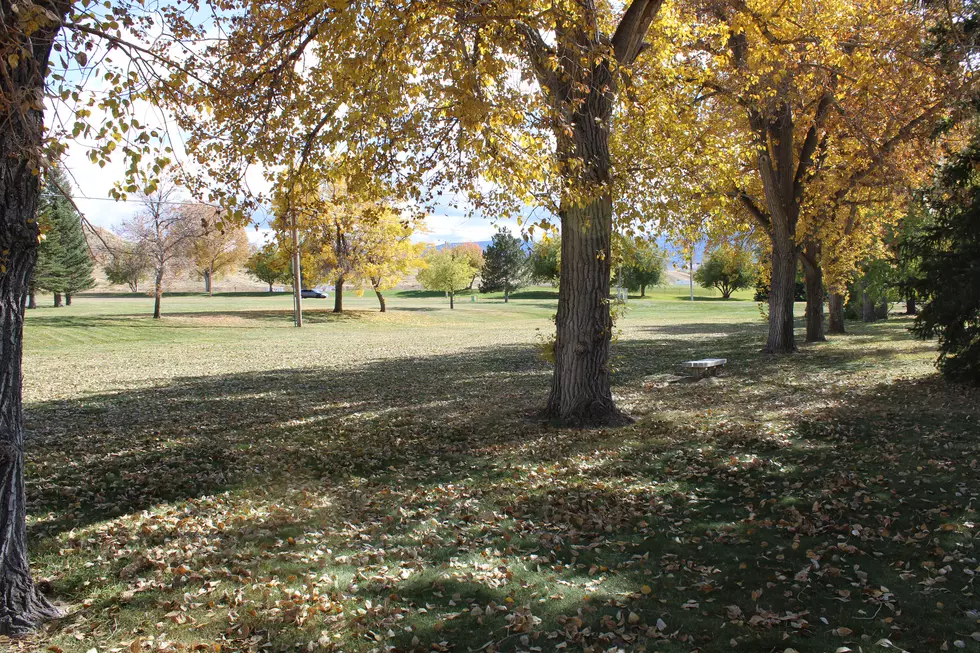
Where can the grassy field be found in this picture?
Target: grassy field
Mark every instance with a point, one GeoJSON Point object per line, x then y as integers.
{"type": "Point", "coordinates": [219, 480]}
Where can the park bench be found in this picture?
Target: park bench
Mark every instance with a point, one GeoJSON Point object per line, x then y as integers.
{"type": "Point", "coordinates": [705, 366]}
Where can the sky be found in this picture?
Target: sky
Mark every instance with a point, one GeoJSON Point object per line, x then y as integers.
{"type": "Point", "coordinates": [92, 186]}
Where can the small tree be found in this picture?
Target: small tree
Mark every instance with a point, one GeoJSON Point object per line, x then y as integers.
{"type": "Point", "coordinates": [165, 233]}
{"type": "Point", "coordinates": [644, 264]}
{"type": "Point", "coordinates": [545, 260]}
{"type": "Point", "coordinates": [472, 253]}
{"type": "Point", "coordinates": [449, 271]}
{"type": "Point", "coordinates": [504, 264]}
{"type": "Point", "coordinates": [128, 264]}
{"type": "Point", "coordinates": [947, 277]}
{"type": "Point", "coordinates": [218, 249]}
{"type": "Point", "coordinates": [728, 269]}
{"type": "Point", "coordinates": [269, 265]}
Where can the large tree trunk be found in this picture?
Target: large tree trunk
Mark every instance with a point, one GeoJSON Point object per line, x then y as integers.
{"type": "Point", "coordinates": [57, 300]}
{"type": "Point", "coordinates": [157, 294]}
{"type": "Point", "coordinates": [910, 307]}
{"type": "Point", "coordinates": [22, 606]}
{"type": "Point", "coordinates": [338, 295]}
{"type": "Point", "coordinates": [581, 388]}
{"type": "Point", "coordinates": [835, 308]}
{"type": "Point", "coordinates": [813, 274]}
{"type": "Point", "coordinates": [782, 290]}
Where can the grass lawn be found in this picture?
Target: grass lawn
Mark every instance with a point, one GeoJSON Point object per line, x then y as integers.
{"type": "Point", "coordinates": [219, 480]}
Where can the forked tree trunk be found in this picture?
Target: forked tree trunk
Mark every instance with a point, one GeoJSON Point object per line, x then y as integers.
{"type": "Point", "coordinates": [22, 606]}
{"type": "Point", "coordinates": [835, 309]}
{"type": "Point", "coordinates": [338, 295]}
{"type": "Point", "coordinates": [581, 388]}
{"type": "Point", "coordinates": [813, 275]}
{"type": "Point", "coordinates": [57, 300]}
{"type": "Point", "coordinates": [782, 290]}
{"type": "Point", "coordinates": [157, 294]}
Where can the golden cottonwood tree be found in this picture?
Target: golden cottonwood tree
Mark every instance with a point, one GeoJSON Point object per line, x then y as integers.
{"type": "Point", "coordinates": [219, 248]}
{"type": "Point", "coordinates": [504, 103]}
{"type": "Point", "coordinates": [787, 111]}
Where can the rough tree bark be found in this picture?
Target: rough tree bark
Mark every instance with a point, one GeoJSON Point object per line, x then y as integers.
{"type": "Point", "coordinates": [338, 296]}
{"type": "Point", "coordinates": [835, 309]}
{"type": "Point", "coordinates": [581, 94]}
{"type": "Point", "coordinates": [22, 606]}
{"type": "Point", "coordinates": [813, 275]}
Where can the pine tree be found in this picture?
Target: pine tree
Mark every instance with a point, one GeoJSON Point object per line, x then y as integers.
{"type": "Point", "coordinates": [504, 264]}
{"type": "Point", "coordinates": [49, 273]}
{"type": "Point", "coordinates": [76, 259]}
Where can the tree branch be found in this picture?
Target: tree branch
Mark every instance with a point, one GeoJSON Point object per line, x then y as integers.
{"type": "Point", "coordinates": [627, 42]}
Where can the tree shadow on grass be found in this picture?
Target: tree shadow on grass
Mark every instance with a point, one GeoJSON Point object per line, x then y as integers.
{"type": "Point", "coordinates": [406, 493]}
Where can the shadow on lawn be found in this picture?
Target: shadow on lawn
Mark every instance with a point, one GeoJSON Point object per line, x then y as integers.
{"type": "Point", "coordinates": [423, 490]}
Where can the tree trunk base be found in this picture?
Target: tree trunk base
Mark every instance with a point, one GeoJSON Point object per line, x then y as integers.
{"type": "Point", "coordinates": [594, 415]}
{"type": "Point", "coordinates": [22, 606]}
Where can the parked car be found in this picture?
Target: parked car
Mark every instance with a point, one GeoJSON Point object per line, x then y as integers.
{"type": "Point", "coordinates": [307, 293]}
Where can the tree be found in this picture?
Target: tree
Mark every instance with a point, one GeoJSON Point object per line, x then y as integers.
{"type": "Point", "coordinates": [545, 260]}
{"type": "Point", "coordinates": [49, 274]}
{"type": "Point", "coordinates": [218, 249]}
{"type": "Point", "coordinates": [644, 264]}
{"type": "Point", "coordinates": [128, 264]}
{"type": "Point", "coordinates": [474, 254]}
{"type": "Point", "coordinates": [76, 259]}
{"type": "Point", "coordinates": [787, 113]}
{"type": "Point", "coordinates": [504, 264]}
{"type": "Point", "coordinates": [728, 269]}
{"type": "Point", "coordinates": [947, 275]}
{"type": "Point", "coordinates": [103, 115]}
{"type": "Point", "coordinates": [506, 108]}
{"type": "Point", "coordinates": [388, 253]}
{"type": "Point", "coordinates": [165, 233]}
{"type": "Point", "coordinates": [447, 270]}
{"type": "Point", "coordinates": [269, 265]}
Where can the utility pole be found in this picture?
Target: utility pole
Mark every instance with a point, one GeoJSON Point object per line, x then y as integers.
{"type": "Point", "coordinates": [297, 276]}
{"type": "Point", "coordinates": [690, 272]}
